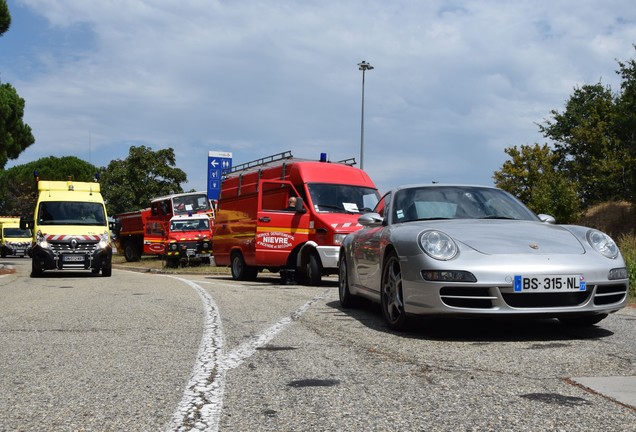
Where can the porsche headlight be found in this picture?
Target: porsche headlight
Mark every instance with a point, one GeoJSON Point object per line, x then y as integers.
{"type": "Point", "coordinates": [438, 245]}
{"type": "Point", "coordinates": [602, 243]}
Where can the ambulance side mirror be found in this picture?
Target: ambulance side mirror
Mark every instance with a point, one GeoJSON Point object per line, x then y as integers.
{"type": "Point", "coordinates": [26, 223]}
{"type": "Point", "coordinates": [114, 226]}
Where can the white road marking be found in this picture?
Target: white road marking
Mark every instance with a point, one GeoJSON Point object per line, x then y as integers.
{"type": "Point", "coordinates": [202, 402]}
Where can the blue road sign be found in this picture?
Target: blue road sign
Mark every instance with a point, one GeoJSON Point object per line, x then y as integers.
{"type": "Point", "coordinates": [218, 164]}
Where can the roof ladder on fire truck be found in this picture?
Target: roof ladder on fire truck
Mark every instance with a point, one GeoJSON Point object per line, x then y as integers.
{"type": "Point", "coordinates": [262, 161]}
{"type": "Point", "coordinates": [250, 166]}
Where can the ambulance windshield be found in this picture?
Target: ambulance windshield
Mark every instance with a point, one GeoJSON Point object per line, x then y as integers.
{"type": "Point", "coordinates": [71, 213]}
{"type": "Point", "coordinates": [17, 233]}
{"type": "Point", "coordinates": [338, 198]}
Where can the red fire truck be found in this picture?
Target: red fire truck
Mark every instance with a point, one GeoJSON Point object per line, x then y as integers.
{"type": "Point", "coordinates": [177, 226]}
{"type": "Point", "coordinates": [256, 230]}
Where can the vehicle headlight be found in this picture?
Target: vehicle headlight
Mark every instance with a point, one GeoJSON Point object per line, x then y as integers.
{"type": "Point", "coordinates": [602, 243]}
{"type": "Point", "coordinates": [339, 238]}
{"type": "Point", "coordinates": [438, 245]}
{"type": "Point", "coordinates": [40, 240]}
{"type": "Point", "coordinates": [103, 241]}
{"type": "Point", "coordinates": [173, 246]}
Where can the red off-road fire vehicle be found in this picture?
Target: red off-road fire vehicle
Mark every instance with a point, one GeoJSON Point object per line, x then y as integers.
{"type": "Point", "coordinates": [177, 226]}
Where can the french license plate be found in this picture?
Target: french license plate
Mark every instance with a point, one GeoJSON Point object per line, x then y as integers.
{"type": "Point", "coordinates": [73, 258]}
{"type": "Point", "coordinates": [20, 251]}
{"type": "Point", "coordinates": [549, 283]}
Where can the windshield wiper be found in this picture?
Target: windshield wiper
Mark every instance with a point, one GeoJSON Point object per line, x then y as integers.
{"type": "Point", "coordinates": [340, 209]}
{"type": "Point", "coordinates": [498, 217]}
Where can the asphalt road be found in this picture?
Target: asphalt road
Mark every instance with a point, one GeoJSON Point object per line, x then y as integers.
{"type": "Point", "coordinates": [148, 352]}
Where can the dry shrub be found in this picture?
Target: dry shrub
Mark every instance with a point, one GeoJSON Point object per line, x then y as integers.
{"type": "Point", "coordinates": [615, 218]}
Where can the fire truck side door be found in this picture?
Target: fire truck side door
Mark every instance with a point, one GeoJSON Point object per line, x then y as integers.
{"type": "Point", "coordinates": [279, 228]}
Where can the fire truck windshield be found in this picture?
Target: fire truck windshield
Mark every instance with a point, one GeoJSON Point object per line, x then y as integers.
{"type": "Point", "coordinates": [191, 203]}
{"type": "Point", "coordinates": [338, 198]}
{"type": "Point", "coordinates": [189, 225]}
{"type": "Point", "coordinates": [71, 213]}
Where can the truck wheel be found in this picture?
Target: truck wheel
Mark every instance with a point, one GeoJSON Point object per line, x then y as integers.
{"type": "Point", "coordinates": [172, 262]}
{"type": "Point", "coordinates": [313, 270]}
{"type": "Point", "coordinates": [107, 271]}
{"type": "Point", "coordinates": [3, 254]}
{"type": "Point", "coordinates": [130, 252]}
{"type": "Point", "coordinates": [241, 271]}
{"type": "Point", "coordinates": [36, 271]}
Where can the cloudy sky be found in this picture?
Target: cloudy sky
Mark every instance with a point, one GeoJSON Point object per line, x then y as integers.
{"type": "Point", "coordinates": [454, 84]}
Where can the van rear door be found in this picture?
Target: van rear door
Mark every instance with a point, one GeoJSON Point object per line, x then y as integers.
{"type": "Point", "coordinates": [278, 228]}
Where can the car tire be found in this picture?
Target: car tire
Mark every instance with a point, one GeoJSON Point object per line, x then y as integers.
{"type": "Point", "coordinates": [347, 300]}
{"type": "Point", "coordinates": [392, 300]}
{"type": "Point", "coordinates": [240, 270]}
{"type": "Point", "coordinates": [107, 271]}
{"type": "Point", "coordinates": [582, 321]}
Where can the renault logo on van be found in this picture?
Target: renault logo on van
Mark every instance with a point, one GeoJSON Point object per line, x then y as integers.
{"type": "Point", "coordinates": [74, 243]}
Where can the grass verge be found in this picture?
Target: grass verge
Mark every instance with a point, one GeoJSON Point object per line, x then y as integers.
{"type": "Point", "coordinates": [154, 263]}
{"type": "Point", "coordinates": [627, 245]}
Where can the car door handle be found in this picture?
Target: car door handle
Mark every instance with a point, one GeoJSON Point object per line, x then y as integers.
{"type": "Point", "coordinates": [263, 219]}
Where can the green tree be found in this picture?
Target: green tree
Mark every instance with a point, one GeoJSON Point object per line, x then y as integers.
{"type": "Point", "coordinates": [533, 177]}
{"type": "Point", "coordinates": [588, 146]}
{"type": "Point", "coordinates": [5, 17]}
{"type": "Point", "coordinates": [17, 184]}
{"type": "Point", "coordinates": [626, 119]}
{"type": "Point", "coordinates": [15, 135]}
{"type": "Point", "coordinates": [130, 184]}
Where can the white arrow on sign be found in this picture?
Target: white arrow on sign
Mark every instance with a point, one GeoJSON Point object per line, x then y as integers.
{"type": "Point", "coordinates": [214, 163]}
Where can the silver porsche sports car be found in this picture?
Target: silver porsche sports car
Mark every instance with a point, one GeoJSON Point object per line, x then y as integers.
{"type": "Point", "coordinates": [477, 251]}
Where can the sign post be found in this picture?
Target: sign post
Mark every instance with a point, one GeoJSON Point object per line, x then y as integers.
{"type": "Point", "coordinates": [218, 164]}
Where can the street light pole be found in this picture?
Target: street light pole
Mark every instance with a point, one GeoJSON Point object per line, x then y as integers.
{"type": "Point", "coordinates": [364, 66]}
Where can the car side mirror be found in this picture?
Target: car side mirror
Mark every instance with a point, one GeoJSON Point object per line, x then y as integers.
{"type": "Point", "coordinates": [547, 218]}
{"type": "Point", "coordinates": [370, 219]}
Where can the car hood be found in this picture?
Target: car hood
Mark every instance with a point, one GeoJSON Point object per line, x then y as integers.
{"type": "Point", "coordinates": [513, 237]}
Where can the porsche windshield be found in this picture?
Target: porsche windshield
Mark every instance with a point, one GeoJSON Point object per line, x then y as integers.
{"type": "Point", "coordinates": [338, 198]}
{"type": "Point", "coordinates": [457, 202]}
{"type": "Point", "coordinates": [71, 213]}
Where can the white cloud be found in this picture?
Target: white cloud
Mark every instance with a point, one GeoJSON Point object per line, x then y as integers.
{"type": "Point", "coordinates": [454, 82]}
